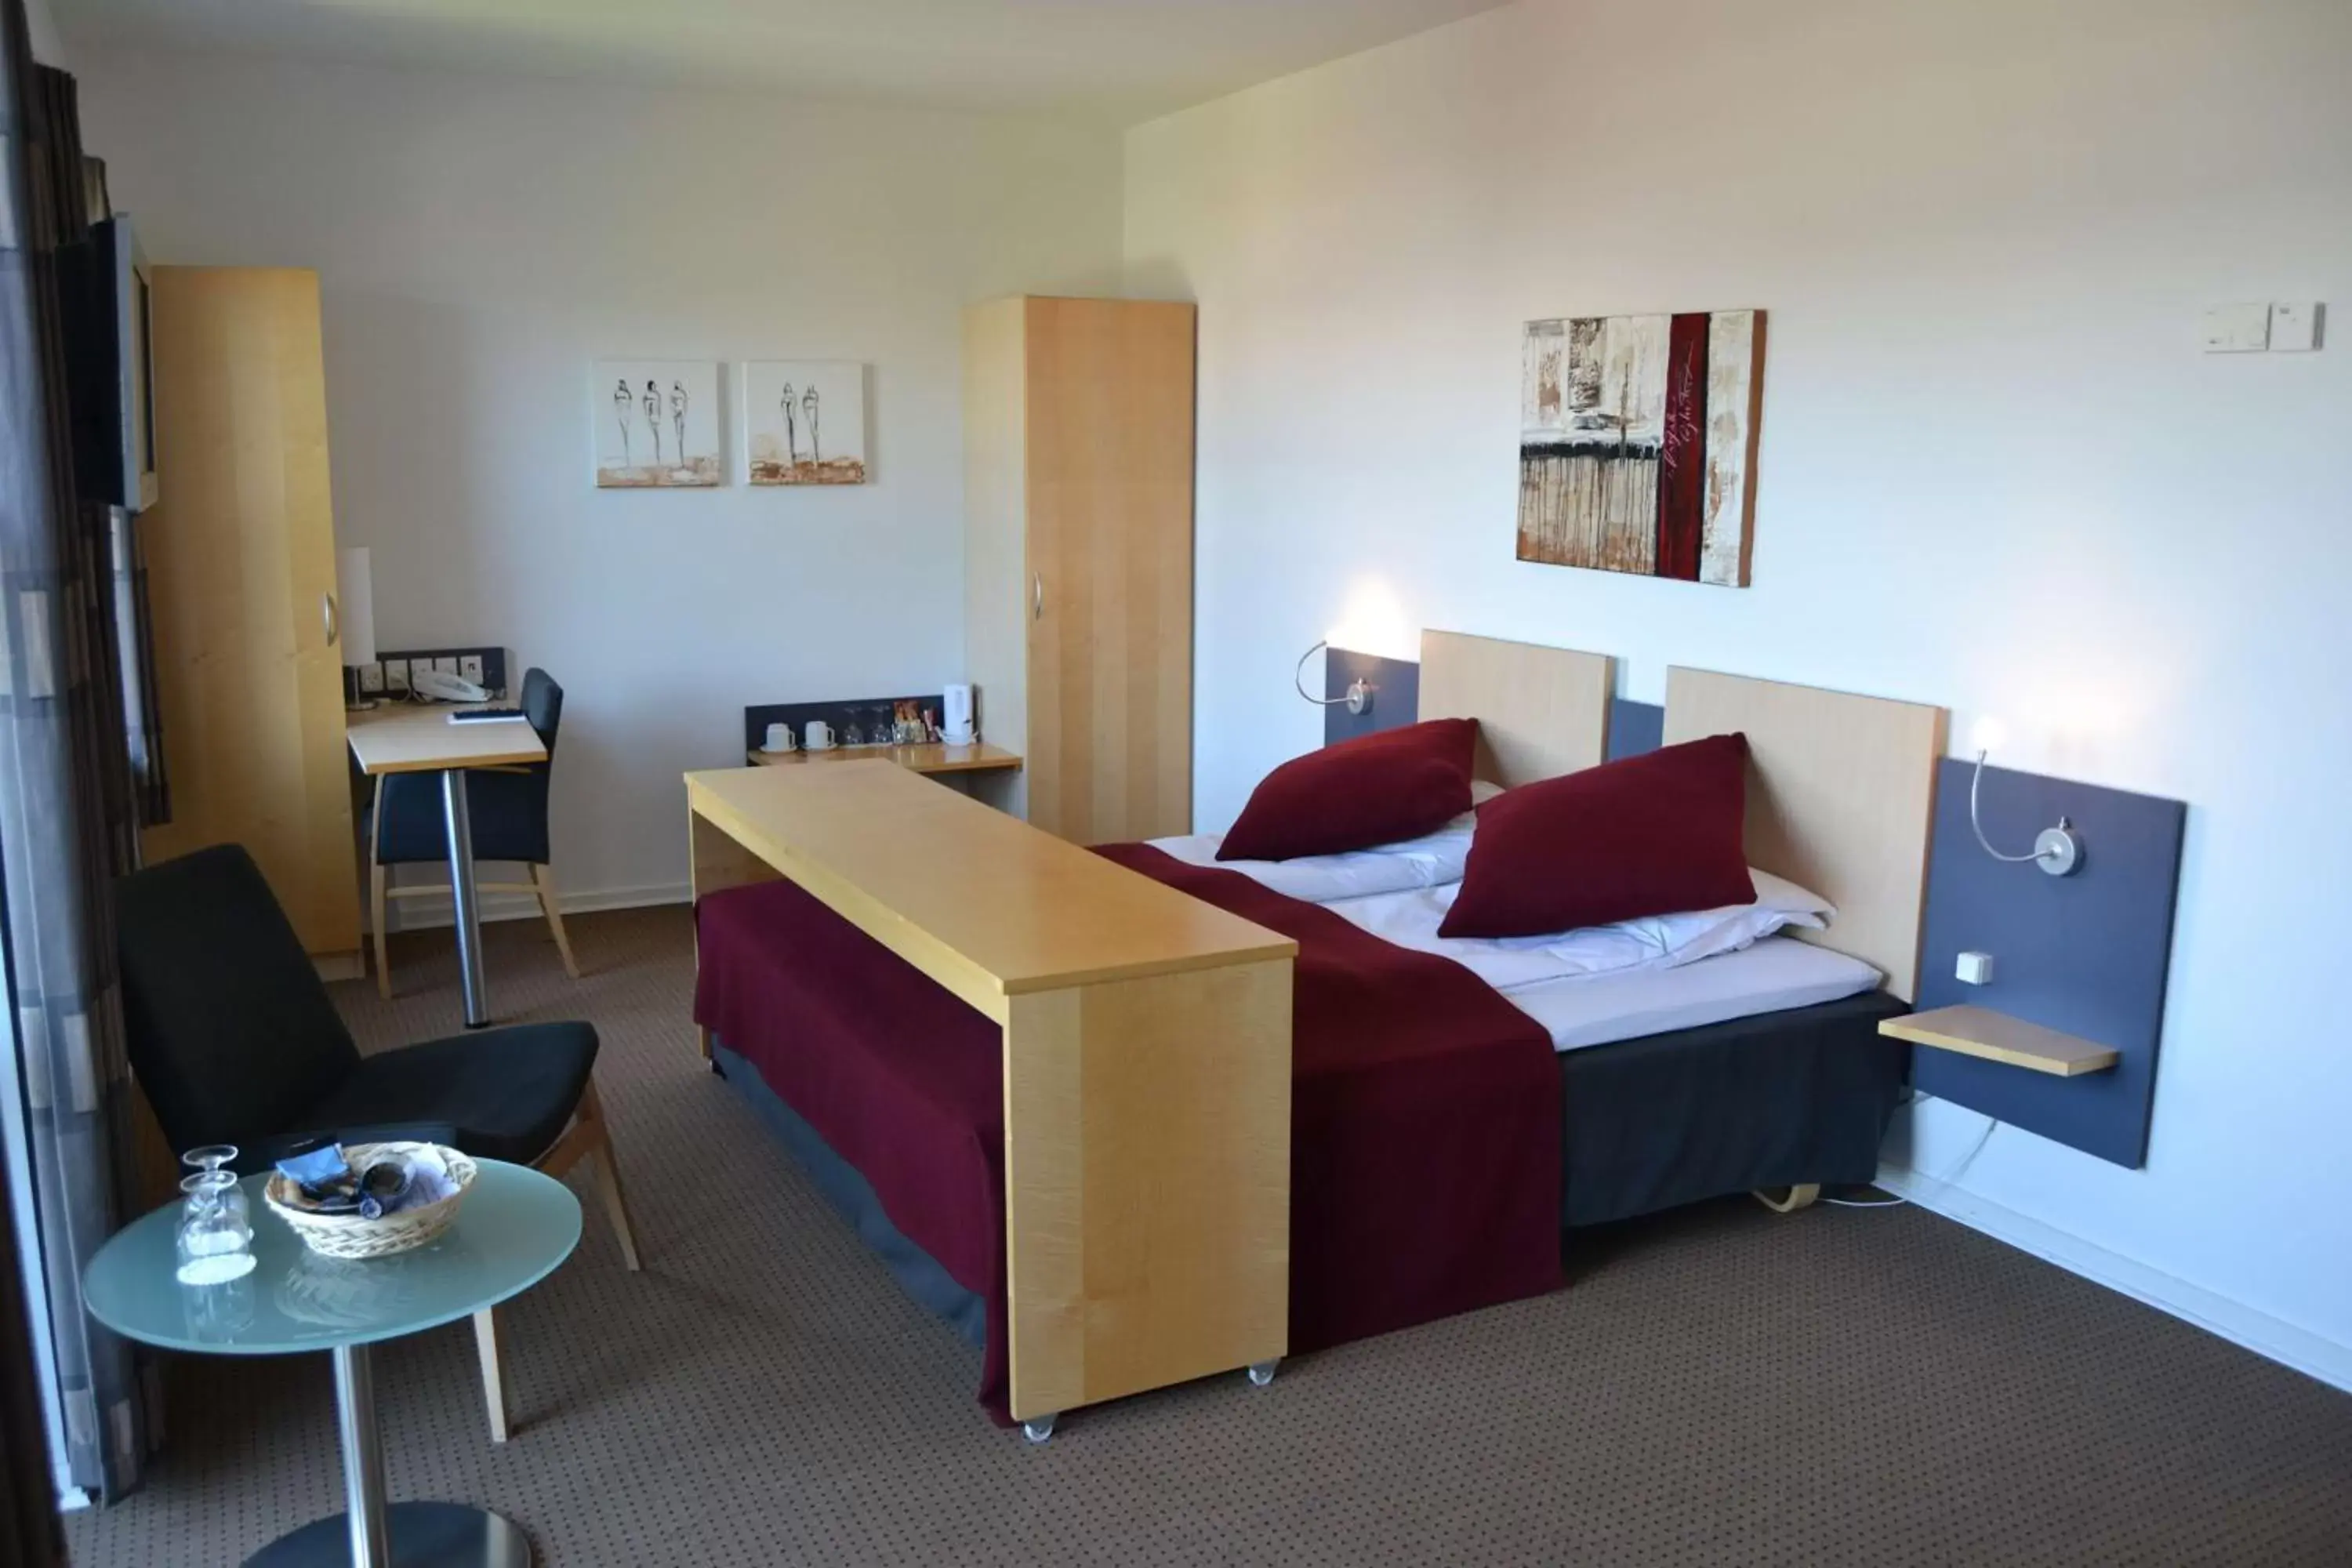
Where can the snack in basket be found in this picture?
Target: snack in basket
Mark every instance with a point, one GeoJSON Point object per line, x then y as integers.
{"type": "Point", "coordinates": [323, 1182]}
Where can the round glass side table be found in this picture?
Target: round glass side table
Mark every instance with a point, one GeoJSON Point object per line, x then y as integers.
{"type": "Point", "coordinates": [513, 1228]}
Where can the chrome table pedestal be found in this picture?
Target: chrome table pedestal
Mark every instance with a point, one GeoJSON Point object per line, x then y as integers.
{"type": "Point", "coordinates": [460, 820]}
{"type": "Point", "coordinates": [371, 1534]}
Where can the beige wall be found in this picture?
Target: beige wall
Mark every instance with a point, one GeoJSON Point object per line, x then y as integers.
{"type": "Point", "coordinates": [482, 239]}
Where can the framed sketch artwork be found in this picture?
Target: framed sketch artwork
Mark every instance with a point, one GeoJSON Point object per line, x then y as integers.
{"type": "Point", "coordinates": [657, 424]}
{"type": "Point", "coordinates": [1637, 442]}
{"type": "Point", "coordinates": [804, 422]}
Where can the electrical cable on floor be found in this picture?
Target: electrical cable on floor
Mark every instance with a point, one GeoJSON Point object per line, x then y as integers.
{"type": "Point", "coordinates": [1896, 1200]}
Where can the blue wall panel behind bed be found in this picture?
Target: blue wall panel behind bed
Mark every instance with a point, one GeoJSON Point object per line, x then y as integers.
{"type": "Point", "coordinates": [1396, 693]}
{"type": "Point", "coordinates": [2086, 953]}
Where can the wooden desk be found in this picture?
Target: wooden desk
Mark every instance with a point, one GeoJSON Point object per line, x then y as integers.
{"type": "Point", "coordinates": [938, 758]}
{"type": "Point", "coordinates": [1146, 1062]}
{"type": "Point", "coordinates": [417, 738]}
{"type": "Point", "coordinates": [1997, 1037]}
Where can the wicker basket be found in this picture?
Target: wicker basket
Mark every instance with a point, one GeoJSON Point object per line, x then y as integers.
{"type": "Point", "coordinates": [349, 1235]}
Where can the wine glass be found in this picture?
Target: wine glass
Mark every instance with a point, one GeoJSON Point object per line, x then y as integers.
{"type": "Point", "coordinates": [216, 1239]}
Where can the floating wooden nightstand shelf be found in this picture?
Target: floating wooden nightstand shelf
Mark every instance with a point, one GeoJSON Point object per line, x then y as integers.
{"type": "Point", "coordinates": [1997, 1037]}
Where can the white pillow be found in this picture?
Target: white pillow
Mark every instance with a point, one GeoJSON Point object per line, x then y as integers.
{"type": "Point", "coordinates": [1779, 904]}
{"type": "Point", "coordinates": [1410, 917]}
{"type": "Point", "coordinates": [1433, 861]}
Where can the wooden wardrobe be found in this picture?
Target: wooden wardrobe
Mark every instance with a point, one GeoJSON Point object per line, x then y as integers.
{"type": "Point", "coordinates": [240, 551]}
{"type": "Point", "coordinates": [1078, 558]}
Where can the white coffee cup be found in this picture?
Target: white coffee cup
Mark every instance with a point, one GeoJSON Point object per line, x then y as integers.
{"type": "Point", "coordinates": [817, 735]}
{"type": "Point", "coordinates": [780, 738]}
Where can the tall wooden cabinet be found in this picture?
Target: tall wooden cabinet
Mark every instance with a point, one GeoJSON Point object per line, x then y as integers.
{"type": "Point", "coordinates": [241, 577]}
{"type": "Point", "coordinates": [1078, 557]}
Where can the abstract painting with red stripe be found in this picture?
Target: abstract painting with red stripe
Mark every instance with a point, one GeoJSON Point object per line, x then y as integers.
{"type": "Point", "coordinates": [1637, 442]}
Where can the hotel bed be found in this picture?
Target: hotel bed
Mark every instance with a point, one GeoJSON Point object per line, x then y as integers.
{"type": "Point", "coordinates": [1581, 1080]}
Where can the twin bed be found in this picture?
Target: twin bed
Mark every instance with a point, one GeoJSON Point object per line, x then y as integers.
{"type": "Point", "coordinates": [1451, 1106]}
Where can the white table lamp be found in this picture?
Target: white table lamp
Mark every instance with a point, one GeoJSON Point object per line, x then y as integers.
{"type": "Point", "coordinates": [354, 617]}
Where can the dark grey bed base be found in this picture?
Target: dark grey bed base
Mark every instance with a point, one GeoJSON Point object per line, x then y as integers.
{"type": "Point", "coordinates": [1770, 1101]}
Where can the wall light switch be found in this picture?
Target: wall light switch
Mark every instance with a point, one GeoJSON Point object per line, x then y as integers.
{"type": "Point", "coordinates": [1976, 968]}
{"type": "Point", "coordinates": [2237, 329]}
{"type": "Point", "coordinates": [2294, 328]}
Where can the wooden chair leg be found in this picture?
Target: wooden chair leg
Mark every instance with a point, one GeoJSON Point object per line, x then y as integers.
{"type": "Point", "coordinates": [493, 1355]}
{"type": "Point", "coordinates": [545, 882]}
{"type": "Point", "coordinates": [608, 1179]}
{"type": "Point", "coordinates": [377, 876]}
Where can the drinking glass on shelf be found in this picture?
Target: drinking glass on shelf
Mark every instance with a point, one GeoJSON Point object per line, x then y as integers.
{"type": "Point", "coordinates": [852, 732]}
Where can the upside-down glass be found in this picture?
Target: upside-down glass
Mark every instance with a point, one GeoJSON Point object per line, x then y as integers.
{"type": "Point", "coordinates": [215, 1229]}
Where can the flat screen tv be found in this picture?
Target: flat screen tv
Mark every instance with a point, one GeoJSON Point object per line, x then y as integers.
{"type": "Point", "coordinates": [108, 294]}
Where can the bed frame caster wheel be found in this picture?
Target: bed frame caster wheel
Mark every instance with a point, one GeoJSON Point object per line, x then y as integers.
{"type": "Point", "coordinates": [1261, 1373]}
{"type": "Point", "coordinates": [1038, 1428]}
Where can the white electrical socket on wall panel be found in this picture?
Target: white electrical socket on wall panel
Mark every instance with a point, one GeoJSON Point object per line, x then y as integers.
{"type": "Point", "coordinates": [2295, 328]}
{"type": "Point", "coordinates": [445, 665]}
{"type": "Point", "coordinates": [395, 676]}
{"type": "Point", "coordinates": [2237, 329]}
{"type": "Point", "coordinates": [1976, 968]}
{"type": "Point", "coordinates": [371, 678]}
{"type": "Point", "coordinates": [469, 666]}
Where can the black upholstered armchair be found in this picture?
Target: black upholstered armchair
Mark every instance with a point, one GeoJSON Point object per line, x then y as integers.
{"type": "Point", "coordinates": [507, 809]}
{"type": "Point", "coordinates": [234, 1040]}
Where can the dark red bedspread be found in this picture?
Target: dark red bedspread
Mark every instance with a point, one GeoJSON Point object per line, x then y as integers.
{"type": "Point", "coordinates": [1425, 1147]}
{"type": "Point", "coordinates": [1425, 1124]}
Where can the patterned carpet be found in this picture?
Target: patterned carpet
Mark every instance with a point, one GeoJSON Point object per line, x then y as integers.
{"type": "Point", "coordinates": [1718, 1386]}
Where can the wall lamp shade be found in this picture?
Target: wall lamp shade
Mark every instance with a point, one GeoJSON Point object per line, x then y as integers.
{"type": "Point", "coordinates": [1360, 694]}
{"type": "Point", "coordinates": [355, 608]}
{"type": "Point", "coordinates": [2057, 850]}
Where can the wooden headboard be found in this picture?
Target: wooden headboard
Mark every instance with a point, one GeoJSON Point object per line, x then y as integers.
{"type": "Point", "coordinates": [1842, 800]}
{"type": "Point", "coordinates": [1541, 711]}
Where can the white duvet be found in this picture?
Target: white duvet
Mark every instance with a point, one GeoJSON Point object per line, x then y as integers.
{"type": "Point", "coordinates": [1411, 919]}
{"type": "Point", "coordinates": [1587, 987]}
{"type": "Point", "coordinates": [1400, 892]}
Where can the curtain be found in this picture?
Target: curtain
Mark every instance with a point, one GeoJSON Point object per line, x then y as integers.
{"type": "Point", "coordinates": [29, 1532]}
{"type": "Point", "coordinates": [66, 797]}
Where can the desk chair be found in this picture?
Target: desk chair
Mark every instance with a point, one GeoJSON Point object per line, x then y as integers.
{"type": "Point", "coordinates": [508, 808]}
{"type": "Point", "coordinates": [235, 1040]}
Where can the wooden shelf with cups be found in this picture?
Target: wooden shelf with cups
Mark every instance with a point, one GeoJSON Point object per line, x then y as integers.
{"type": "Point", "coordinates": [903, 730]}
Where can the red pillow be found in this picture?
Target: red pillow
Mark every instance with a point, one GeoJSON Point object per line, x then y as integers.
{"type": "Point", "coordinates": [1653, 834]}
{"type": "Point", "coordinates": [1374, 789]}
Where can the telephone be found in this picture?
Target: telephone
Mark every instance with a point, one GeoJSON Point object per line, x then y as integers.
{"type": "Point", "coordinates": [442, 686]}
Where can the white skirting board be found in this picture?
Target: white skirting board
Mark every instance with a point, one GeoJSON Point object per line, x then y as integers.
{"type": "Point", "coordinates": [419, 914]}
{"type": "Point", "coordinates": [2239, 1324]}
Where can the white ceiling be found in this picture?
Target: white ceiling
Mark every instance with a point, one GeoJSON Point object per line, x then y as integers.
{"type": "Point", "coordinates": [1116, 60]}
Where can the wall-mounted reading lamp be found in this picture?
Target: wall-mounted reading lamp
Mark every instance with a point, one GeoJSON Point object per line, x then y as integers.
{"type": "Point", "coordinates": [2057, 850]}
{"type": "Point", "coordinates": [1360, 694]}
